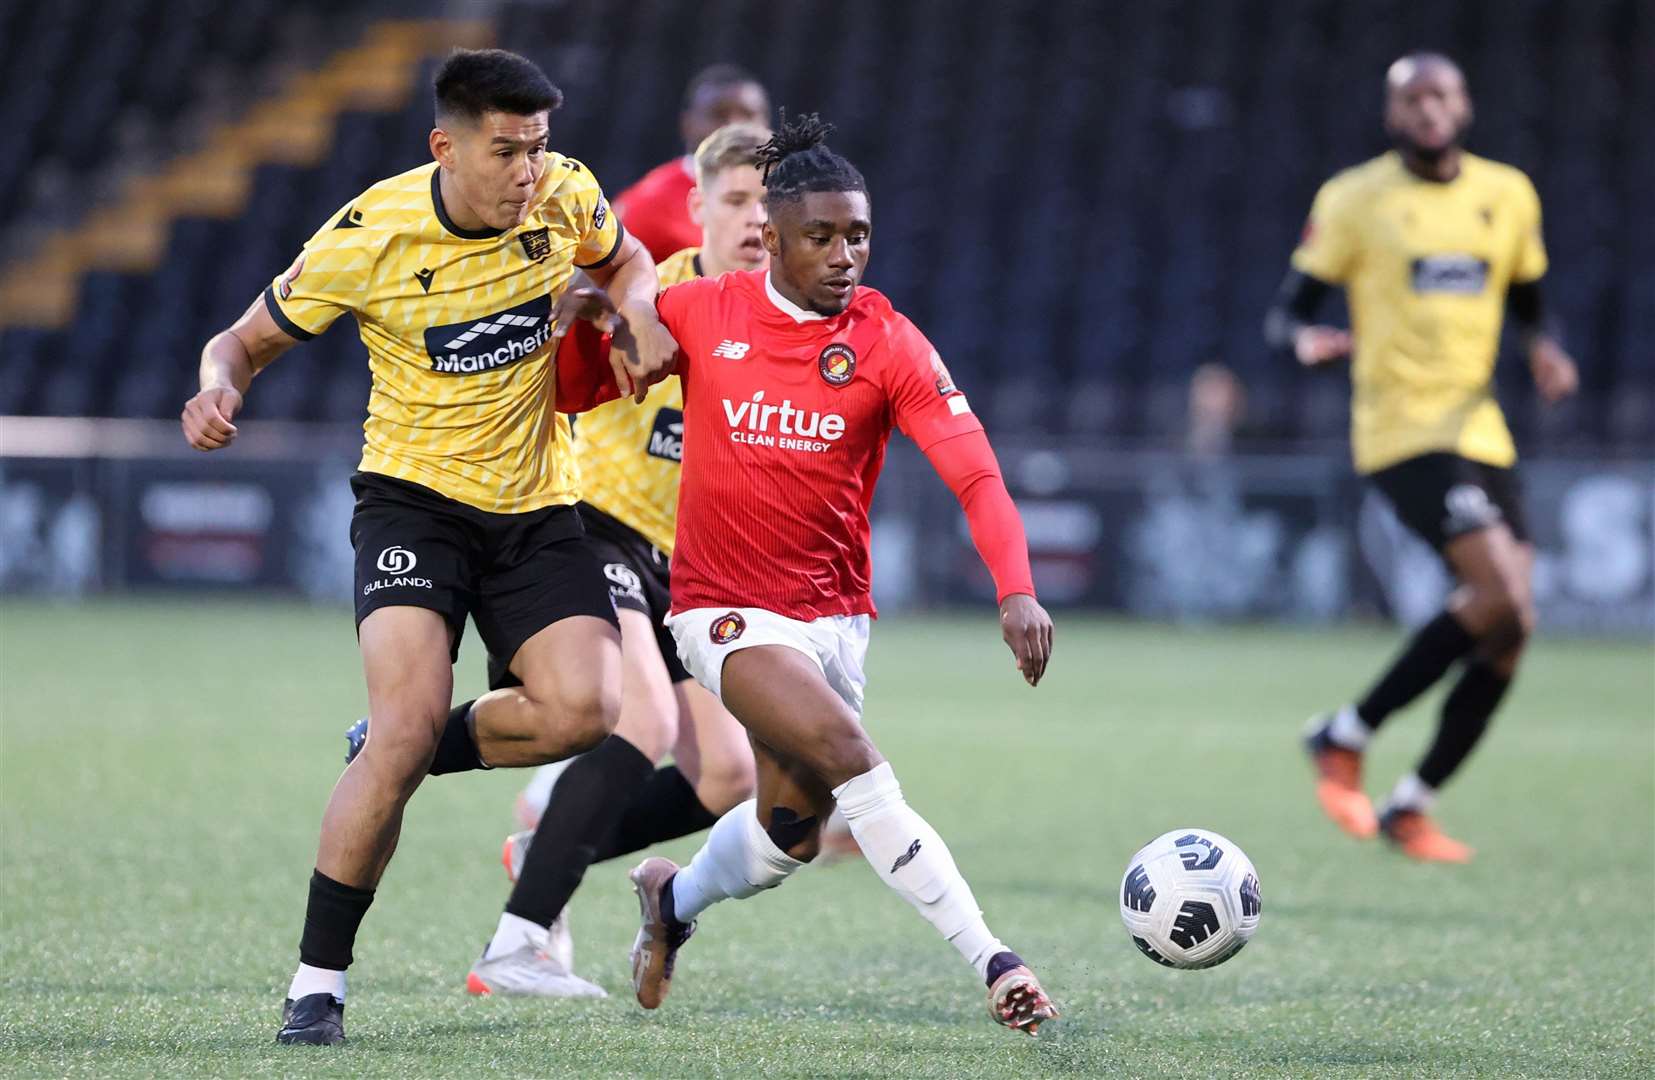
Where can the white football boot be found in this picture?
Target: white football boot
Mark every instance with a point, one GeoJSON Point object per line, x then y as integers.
{"type": "Point", "coordinates": [531, 970]}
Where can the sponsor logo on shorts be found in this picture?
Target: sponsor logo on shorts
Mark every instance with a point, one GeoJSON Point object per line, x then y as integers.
{"type": "Point", "coordinates": [1469, 509]}
{"type": "Point", "coordinates": [396, 560]}
{"type": "Point", "coordinates": [1461, 275]}
{"type": "Point", "coordinates": [397, 582]}
{"type": "Point", "coordinates": [726, 628]}
{"type": "Point", "coordinates": [623, 581]}
{"type": "Point", "coordinates": [837, 364]}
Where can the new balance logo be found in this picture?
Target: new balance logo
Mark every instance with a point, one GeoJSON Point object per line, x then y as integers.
{"type": "Point", "coordinates": [493, 341]}
{"type": "Point", "coordinates": [732, 350]}
{"type": "Point", "coordinates": [906, 857]}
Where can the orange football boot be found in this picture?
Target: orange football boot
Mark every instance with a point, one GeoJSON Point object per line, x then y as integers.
{"type": "Point", "coordinates": [1418, 837]}
{"type": "Point", "coordinates": [1339, 783]}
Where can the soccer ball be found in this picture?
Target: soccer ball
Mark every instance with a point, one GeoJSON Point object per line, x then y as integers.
{"type": "Point", "coordinates": [1190, 899]}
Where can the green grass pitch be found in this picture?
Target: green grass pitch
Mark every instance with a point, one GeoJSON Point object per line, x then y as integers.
{"type": "Point", "coordinates": [163, 768]}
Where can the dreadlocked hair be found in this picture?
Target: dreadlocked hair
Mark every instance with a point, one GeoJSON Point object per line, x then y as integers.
{"type": "Point", "coordinates": [797, 160]}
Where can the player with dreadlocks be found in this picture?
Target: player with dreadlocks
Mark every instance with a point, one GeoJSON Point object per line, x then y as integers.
{"type": "Point", "coordinates": [793, 378]}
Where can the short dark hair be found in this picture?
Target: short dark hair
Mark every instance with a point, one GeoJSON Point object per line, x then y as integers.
{"type": "Point", "coordinates": [719, 75]}
{"type": "Point", "coordinates": [472, 82]}
{"type": "Point", "coordinates": [797, 160]}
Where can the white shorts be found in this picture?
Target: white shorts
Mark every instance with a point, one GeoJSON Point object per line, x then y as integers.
{"type": "Point", "coordinates": [836, 644]}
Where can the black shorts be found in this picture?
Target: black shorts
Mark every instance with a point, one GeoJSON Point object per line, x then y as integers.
{"type": "Point", "coordinates": [1444, 496]}
{"type": "Point", "coordinates": [638, 576]}
{"type": "Point", "coordinates": [514, 574]}
{"type": "Point", "coordinates": [636, 572]}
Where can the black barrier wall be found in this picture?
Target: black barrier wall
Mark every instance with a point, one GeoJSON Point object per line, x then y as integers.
{"type": "Point", "coordinates": [1153, 534]}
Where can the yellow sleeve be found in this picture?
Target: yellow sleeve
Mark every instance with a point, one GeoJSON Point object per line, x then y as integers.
{"type": "Point", "coordinates": [597, 226]}
{"type": "Point", "coordinates": [1327, 251]}
{"type": "Point", "coordinates": [1530, 263]}
{"type": "Point", "coordinates": [329, 278]}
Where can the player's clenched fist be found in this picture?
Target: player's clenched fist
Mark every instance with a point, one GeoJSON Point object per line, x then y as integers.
{"type": "Point", "coordinates": [1314, 345]}
{"type": "Point", "coordinates": [1554, 370]}
{"type": "Point", "coordinates": [207, 418]}
{"type": "Point", "coordinates": [1028, 633]}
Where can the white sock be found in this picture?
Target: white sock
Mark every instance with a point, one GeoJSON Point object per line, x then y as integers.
{"type": "Point", "coordinates": [314, 980]}
{"type": "Point", "coordinates": [911, 858]}
{"type": "Point", "coordinates": [1412, 793]}
{"type": "Point", "coordinates": [738, 860]}
{"type": "Point", "coordinates": [514, 932]}
{"type": "Point", "coordinates": [1348, 730]}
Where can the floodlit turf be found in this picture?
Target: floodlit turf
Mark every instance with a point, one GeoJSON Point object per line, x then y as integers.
{"type": "Point", "coordinates": [163, 768]}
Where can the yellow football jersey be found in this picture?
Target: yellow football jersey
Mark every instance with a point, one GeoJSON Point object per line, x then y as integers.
{"type": "Point", "coordinates": [458, 326]}
{"type": "Point", "coordinates": [1425, 267]}
{"type": "Point", "coordinates": [629, 454]}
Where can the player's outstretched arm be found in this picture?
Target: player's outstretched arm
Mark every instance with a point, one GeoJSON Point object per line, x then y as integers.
{"type": "Point", "coordinates": [1289, 322]}
{"type": "Point", "coordinates": [967, 465]}
{"type": "Point", "coordinates": [647, 349]}
{"type": "Point", "coordinates": [229, 361]}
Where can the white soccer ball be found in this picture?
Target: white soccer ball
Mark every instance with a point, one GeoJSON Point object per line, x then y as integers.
{"type": "Point", "coordinates": [1190, 899]}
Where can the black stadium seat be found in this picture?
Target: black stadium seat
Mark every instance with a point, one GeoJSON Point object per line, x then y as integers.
{"type": "Point", "coordinates": [1100, 196]}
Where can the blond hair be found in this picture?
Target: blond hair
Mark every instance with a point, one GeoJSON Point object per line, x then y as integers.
{"type": "Point", "coordinates": [728, 147]}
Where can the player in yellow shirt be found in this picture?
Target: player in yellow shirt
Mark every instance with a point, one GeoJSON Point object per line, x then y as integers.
{"type": "Point", "coordinates": [466, 486]}
{"type": "Point", "coordinates": [1433, 246]}
{"type": "Point", "coordinates": [613, 801]}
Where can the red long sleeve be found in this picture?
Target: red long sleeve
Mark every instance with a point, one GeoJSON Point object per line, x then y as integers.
{"type": "Point", "coordinates": [584, 378]}
{"type": "Point", "coordinates": [967, 465]}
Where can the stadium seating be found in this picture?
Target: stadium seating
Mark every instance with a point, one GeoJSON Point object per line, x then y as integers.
{"type": "Point", "coordinates": [1096, 198]}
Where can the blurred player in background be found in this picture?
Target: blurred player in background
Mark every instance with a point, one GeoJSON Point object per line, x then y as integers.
{"type": "Point", "coordinates": [467, 482]}
{"type": "Point", "coordinates": [656, 208]}
{"type": "Point", "coordinates": [612, 801]}
{"type": "Point", "coordinates": [792, 380]}
{"type": "Point", "coordinates": [1433, 246]}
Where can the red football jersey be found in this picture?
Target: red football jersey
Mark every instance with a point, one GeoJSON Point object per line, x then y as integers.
{"type": "Point", "coordinates": [786, 416]}
{"type": "Point", "coordinates": [656, 209]}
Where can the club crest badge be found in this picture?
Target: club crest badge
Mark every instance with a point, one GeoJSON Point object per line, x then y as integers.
{"type": "Point", "coordinates": [537, 244]}
{"type": "Point", "coordinates": [285, 288]}
{"type": "Point", "coordinates": [726, 628]}
{"type": "Point", "coordinates": [945, 381]}
{"type": "Point", "coordinates": [837, 364]}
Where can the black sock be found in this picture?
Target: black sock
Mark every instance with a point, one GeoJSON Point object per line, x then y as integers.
{"type": "Point", "coordinates": [1465, 716]}
{"type": "Point", "coordinates": [334, 912]}
{"type": "Point", "coordinates": [1002, 962]}
{"type": "Point", "coordinates": [665, 809]}
{"type": "Point", "coordinates": [1430, 653]}
{"type": "Point", "coordinates": [669, 908]}
{"type": "Point", "coordinates": [457, 746]}
{"type": "Point", "coordinates": [588, 800]}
